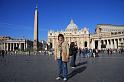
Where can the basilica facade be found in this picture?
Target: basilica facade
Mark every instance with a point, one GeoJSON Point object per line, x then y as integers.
{"type": "Point", "coordinates": [105, 36]}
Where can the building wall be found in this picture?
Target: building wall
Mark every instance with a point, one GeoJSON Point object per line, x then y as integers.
{"type": "Point", "coordinates": [112, 36]}
{"type": "Point", "coordinates": [79, 36]}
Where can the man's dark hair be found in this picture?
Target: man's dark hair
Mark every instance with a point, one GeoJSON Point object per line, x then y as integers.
{"type": "Point", "coordinates": [60, 35]}
{"type": "Point", "coordinates": [72, 44]}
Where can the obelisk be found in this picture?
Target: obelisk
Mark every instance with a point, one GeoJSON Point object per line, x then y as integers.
{"type": "Point", "coordinates": [35, 44]}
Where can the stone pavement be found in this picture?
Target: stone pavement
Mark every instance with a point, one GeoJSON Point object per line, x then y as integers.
{"type": "Point", "coordinates": [43, 68]}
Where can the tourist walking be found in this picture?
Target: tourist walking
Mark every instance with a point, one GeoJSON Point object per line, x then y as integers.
{"type": "Point", "coordinates": [108, 51]}
{"type": "Point", "coordinates": [94, 53]}
{"type": "Point", "coordinates": [2, 53]}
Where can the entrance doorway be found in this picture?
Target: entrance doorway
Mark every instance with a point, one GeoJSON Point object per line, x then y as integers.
{"type": "Point", "coordinates": [85, 44]}
{"type": "Point", "coordinates": [96, 44]}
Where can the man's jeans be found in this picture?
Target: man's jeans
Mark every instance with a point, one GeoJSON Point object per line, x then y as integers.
{"type": "Point", "coordinates": [73, 59]}
{"type": "Point", "coordinates": [62, 68]}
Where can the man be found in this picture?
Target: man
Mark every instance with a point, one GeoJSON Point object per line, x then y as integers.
{"type": "Point", "coordinates": [3, 52]}
{"type": "Point", "coordinates": [61, 55]}
{"type": "Point", "coordinates": [73, 52]}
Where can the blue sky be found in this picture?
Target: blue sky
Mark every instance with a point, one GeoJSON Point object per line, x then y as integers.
{"type": "Point", "coordinates": [17, 16]}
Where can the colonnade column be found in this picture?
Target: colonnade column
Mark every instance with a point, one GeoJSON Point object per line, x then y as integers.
{"type": "Point", "coordinates": [99, 44]}
{"type": "Point", "coordinates": [115, 44]}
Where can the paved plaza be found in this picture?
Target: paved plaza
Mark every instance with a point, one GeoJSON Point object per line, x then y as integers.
{"type": "Point", "coordinates": [43, 68]}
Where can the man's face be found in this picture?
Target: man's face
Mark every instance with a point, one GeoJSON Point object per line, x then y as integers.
{"type": "Point", "coordinates": [61, 40]}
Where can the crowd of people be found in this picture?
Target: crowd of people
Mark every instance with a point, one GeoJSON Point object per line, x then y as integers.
{"type": "Point", "coordinates": [110, 51]}
{"type": "Point", "coordinates": [64, 53]}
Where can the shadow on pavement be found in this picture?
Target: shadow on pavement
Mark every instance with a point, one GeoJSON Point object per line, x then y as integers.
{"type": "Point", "coordinates": [82, 63]}
{"type": "Point", "coordinates": [76, 71]}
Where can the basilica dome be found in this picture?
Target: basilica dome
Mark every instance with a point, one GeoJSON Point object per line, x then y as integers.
{"type": "Point", "coordinates": [72, 26]}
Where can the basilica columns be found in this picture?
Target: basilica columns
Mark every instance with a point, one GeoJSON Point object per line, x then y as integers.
{"type": "Point", "coordinates": [11, 46]}
{"type": "Point", "coordinates": [112, 43]}
{"type": "Point", "coordinates": [109, 43]}
{"type": "Point", "coordinates": [6, 46]}
{"type": "Point", "coordinates": [92, 44]}
{"type": "Point", "coordinates": [53, 43]}
{"type": "Point", "coordinates": [99, 44]}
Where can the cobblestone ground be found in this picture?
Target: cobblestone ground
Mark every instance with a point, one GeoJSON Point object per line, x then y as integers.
{"type": "Point", "coordinates": [42, 68]}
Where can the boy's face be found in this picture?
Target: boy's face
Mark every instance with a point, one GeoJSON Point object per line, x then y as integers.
{"type": "Point", "coordinates": [61, 40]}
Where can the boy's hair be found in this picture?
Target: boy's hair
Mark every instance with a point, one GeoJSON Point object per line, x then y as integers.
{"type": "Point", "coordinates": [60, 35]}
